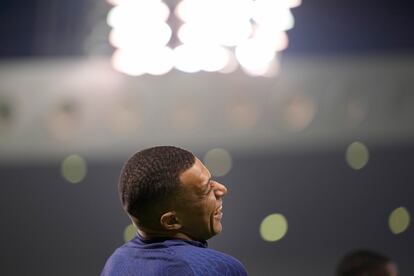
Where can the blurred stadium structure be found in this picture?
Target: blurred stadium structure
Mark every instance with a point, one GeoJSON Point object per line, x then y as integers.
{"type": "Point", "coordinates": [82, 105]}
{"type": "Point", "coordinates": [322, 150]}
{"type": "Point", "coordinates": [67, 91]}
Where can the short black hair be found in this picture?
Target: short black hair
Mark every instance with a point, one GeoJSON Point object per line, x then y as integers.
{"type": "Point", "coordinates": [361, 262]}
{"type": "Point", "coordinates": [150, 178]}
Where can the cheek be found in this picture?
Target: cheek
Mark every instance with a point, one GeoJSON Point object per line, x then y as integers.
{"type": "Point", "coordinates": [204, 208]}
{"type": "Point", "coordinates": [211, 204]}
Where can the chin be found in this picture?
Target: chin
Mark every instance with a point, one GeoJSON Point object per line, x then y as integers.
{"type": "Point", "coordinates": [218, 229]}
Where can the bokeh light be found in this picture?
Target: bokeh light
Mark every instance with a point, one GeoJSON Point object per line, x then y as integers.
{"type": "Point", "coordinates": [356, 112]}
{"type": "Point", "coordinates": [224, 11]}
{"type": "Point", "coordinates": [124, 118]}
{"type": "Point", "coordinates": [125, 62]}
{"type": "Point", "coordinates": [399, 220]}
{"type": "Point", "coordinates": [268, 71]}
{"type": "Point", "coordinates": [187, 58]}
{"type": "Point", "coordinates": [64, 120]}
{"type": "Point", "coordinates": [357, 155]}
{"type": "Point", "coordinates": [234, 33]}
{"type": "Point", "coordinates": [157, 61]}
{"type": "Point", "coordinates": [298, 112]}
{"type": "Point", "coordinates": [276, 40]}
{"type": "Point", "coordinates": [143, 39]}
{"type": "Point", "coordinates": [214, 58]}
{"type": "Point", "coordinates": [74, 168]}
{"type": "Point", "coordinates": [137, 13]}
{"type": "Point", "coordinates": [191, 58]}
{"type": "Point", "coordinates": [294, 3]}
{"type": "Point", "coordinates": [254, 55]}
{"type": "Point", "coordinates": [273, 227]}
{"type": "Point", "coordinates": [140, 35]}
{"type": "Point", "coordinates": [218, 161]}
{"type": "Point", "coordinates": [130, 232]}
{"type": "Point", "coordinates": [252, 31]}
{"type": "Point", "coordinates": [231, 65]}
{"type": "Point", "coordinates": [242, 115]}
{"type": "Point", "coordinates": [184, 117]}
{"type": "Point", "coordinates": [273, 13]}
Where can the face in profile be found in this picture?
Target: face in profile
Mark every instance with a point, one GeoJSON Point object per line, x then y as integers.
{"type": "Point", "coordinates": [200, 203]}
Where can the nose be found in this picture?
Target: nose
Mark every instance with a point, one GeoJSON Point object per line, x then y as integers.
{"type": "Point", "coordinates": [219, 189]}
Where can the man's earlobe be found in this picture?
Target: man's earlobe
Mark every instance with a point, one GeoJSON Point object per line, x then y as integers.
{"type": "Point", "coordinates": [169, 221]}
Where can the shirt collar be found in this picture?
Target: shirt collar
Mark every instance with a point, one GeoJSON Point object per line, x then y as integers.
{"type": "Point", "coordinates": [201, 243]}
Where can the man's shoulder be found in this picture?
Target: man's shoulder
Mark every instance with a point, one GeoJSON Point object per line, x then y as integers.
{"type": "Point", "coordinates": [172, 257]}
{"type": "Point", "coordinates": [134, 262]}
{"type": "Point", "coordinates": [207, 261]}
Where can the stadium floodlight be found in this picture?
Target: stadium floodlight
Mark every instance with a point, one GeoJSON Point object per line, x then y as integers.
{"type": "Point", "coordinates": [214, 35]}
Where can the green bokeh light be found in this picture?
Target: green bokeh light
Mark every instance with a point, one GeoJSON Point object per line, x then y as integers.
{"type": "Point", "coordinates": [218, 161]}
{"type": "Point", "coordinates": [399, 220]}
{"type": "Point", "coordinates": [357, 155]}
{"type": "Point", "coordinates": [274, 227]}
{"type": "Point", "coordinates": [129, 232]}
{"type": "Point", "coordinates": [74, 168]}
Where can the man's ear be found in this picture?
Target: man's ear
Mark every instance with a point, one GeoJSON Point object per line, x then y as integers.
{"type": "Point", "coordinates": [169, 221]}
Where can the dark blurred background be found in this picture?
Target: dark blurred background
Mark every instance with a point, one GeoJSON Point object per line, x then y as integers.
{"type": "Point", "coordinates": [327, 143]}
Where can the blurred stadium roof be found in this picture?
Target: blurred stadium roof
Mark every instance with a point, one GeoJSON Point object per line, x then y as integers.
{"type": "Point", "coordinates": [60, 28]}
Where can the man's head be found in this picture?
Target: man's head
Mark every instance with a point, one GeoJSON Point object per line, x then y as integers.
{"type": "Point", "coordinates": [168, 192]}
{"type": "Point", "coordinates": [366, 263]}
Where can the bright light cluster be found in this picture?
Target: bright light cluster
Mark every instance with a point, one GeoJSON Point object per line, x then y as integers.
{"type": "Point", "coordinates": [214, 35]}
{"type": "Point", "coordinates": [140, 34]}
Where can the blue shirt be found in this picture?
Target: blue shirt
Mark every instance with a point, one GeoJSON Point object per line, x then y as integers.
{"type": "Point", "coordinates": [158, 257]}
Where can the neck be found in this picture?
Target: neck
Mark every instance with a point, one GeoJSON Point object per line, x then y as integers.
{"type": "Point", "coordinates": [148, 234]}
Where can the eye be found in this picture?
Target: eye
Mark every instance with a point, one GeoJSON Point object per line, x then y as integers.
{"type": "Point", "coordinates": [209, 187]}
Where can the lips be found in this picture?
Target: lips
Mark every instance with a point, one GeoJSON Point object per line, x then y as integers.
{"type": "Point", "coordinates": [218, 213]}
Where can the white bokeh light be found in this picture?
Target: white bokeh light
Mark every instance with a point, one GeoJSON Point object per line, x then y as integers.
{"type": "Point", "coordinates": [294, 3]}
{"type": "Point", "coordinates": [190, 33]}
{"type": "Point", "coordinates": [136, 13]}
{"type": "Point", "coordinates": [139, 37]}
{"type": "Point", "coordinates": [222, 10]}
{"type": "Point", "coordinates": [155, 61]}
{"type": "Point", "coordinates": [273, 13]}
{"type": "Point", "coordinates": [161, 61]}
{"type": "Point", "coordinates": [187, 58]}
{"type": "Point", "coordinates": [232, 34]}
{"type": "Point", "coordinates": [214, 58]}
{"type": "Point", "coordinates": [255, 57]}
{"type": "Point", "coordinates": [190, 10]}
{"type": "Point", "coordinates": [276, 40]}
{"type": "Point", "coordinates": [128, 62]}
{"type": "Point", "coordinates": [232, 63]}
{"type": "Point", "coordinates": [230, 26]}
{"type": "Point", "coordinates": [215, 35]}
